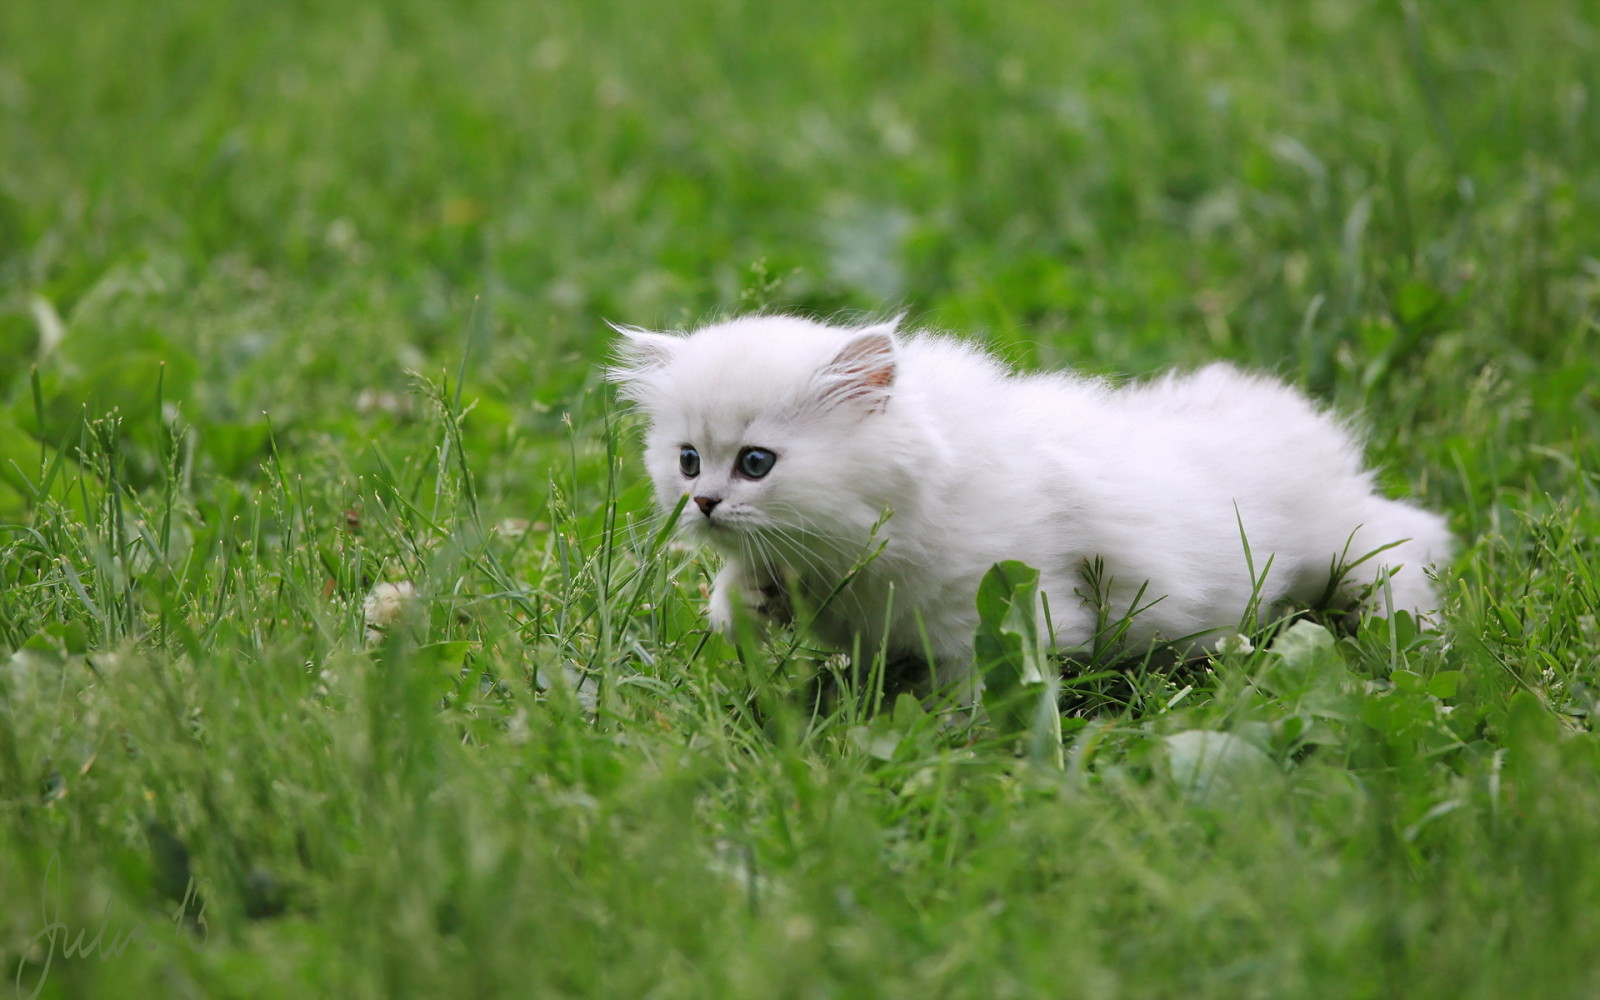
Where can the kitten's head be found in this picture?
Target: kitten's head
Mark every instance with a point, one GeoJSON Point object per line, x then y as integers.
{"type": "Point", "coordinates": [768, 423]}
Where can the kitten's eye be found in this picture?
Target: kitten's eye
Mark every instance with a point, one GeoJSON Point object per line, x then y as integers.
{"type": "Point", "coordinates": [756, 462]}
{"type": "Point", "coordinates": [689, 461]}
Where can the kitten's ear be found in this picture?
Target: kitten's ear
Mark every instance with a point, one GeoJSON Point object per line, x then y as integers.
{"type": "Point", "coordinates": [864, 368]}
{"type": "Point", "coordinates": [639, 353]}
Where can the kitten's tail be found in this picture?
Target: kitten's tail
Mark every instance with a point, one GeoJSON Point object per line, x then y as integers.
{"type": "Point", "coordinates": [1419, 542]}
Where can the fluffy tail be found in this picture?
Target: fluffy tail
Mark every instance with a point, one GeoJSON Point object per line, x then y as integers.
{"type": "Point", "coordinates": [1416, 541]}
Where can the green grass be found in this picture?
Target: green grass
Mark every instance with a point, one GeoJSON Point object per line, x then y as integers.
{"type": "Point", "coordinates": [299, 298]}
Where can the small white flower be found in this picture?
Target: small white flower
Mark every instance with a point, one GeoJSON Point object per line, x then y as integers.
{"type": "Point", "coordinates": [512, 527]}
{"type": "Point", "coordinates": [385, 606]}
{"type": "Point", "coordinates": [1234, 644]}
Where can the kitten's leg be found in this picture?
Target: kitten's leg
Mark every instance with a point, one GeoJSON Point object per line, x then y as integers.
{"type": "Point", "coordinates": [739, 593]}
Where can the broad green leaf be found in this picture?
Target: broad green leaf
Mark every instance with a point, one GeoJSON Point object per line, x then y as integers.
{"type": "Point", "coordinates": [1445, 683]}
{"type": "Point", "coordinates": [1020, 685]}
{"type": "Point", "coordinates": [1212, 765]}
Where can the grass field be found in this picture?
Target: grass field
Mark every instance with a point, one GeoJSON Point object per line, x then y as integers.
{"type": "Point", "coordinates": [297, 299]}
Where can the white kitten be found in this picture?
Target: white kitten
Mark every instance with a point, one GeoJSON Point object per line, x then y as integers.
{"type": "Point", "coordinates": [794, 439]}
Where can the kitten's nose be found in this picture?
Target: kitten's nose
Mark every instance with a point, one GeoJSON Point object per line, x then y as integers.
{"type": "Point", "coordinates": [707, 504]}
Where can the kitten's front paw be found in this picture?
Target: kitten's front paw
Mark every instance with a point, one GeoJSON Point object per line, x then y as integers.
{"type": "Point", "coordinates": [735, 598]}
{"type": "Point", "coordinates": [721, 611]}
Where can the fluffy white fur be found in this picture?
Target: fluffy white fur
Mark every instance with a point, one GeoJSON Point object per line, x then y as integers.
{"type": "Point", "coordinates": [976, 464]}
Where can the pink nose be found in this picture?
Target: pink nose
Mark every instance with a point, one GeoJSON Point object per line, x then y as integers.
{"type": "Point", "coordinates": [707, 504]}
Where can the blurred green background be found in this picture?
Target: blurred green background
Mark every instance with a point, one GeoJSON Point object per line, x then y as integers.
{"type": "Point", "coordinates": [291, 203]}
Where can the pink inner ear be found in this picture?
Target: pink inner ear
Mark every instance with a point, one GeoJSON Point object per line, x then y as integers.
{"type": "Point", "coordinates": [865, 368]}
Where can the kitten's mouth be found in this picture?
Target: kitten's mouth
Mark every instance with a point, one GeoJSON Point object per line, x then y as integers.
{"type": "Point", "coordinates": [721, 535]}
{"type": "Point", "coordinates": [721, 527]}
